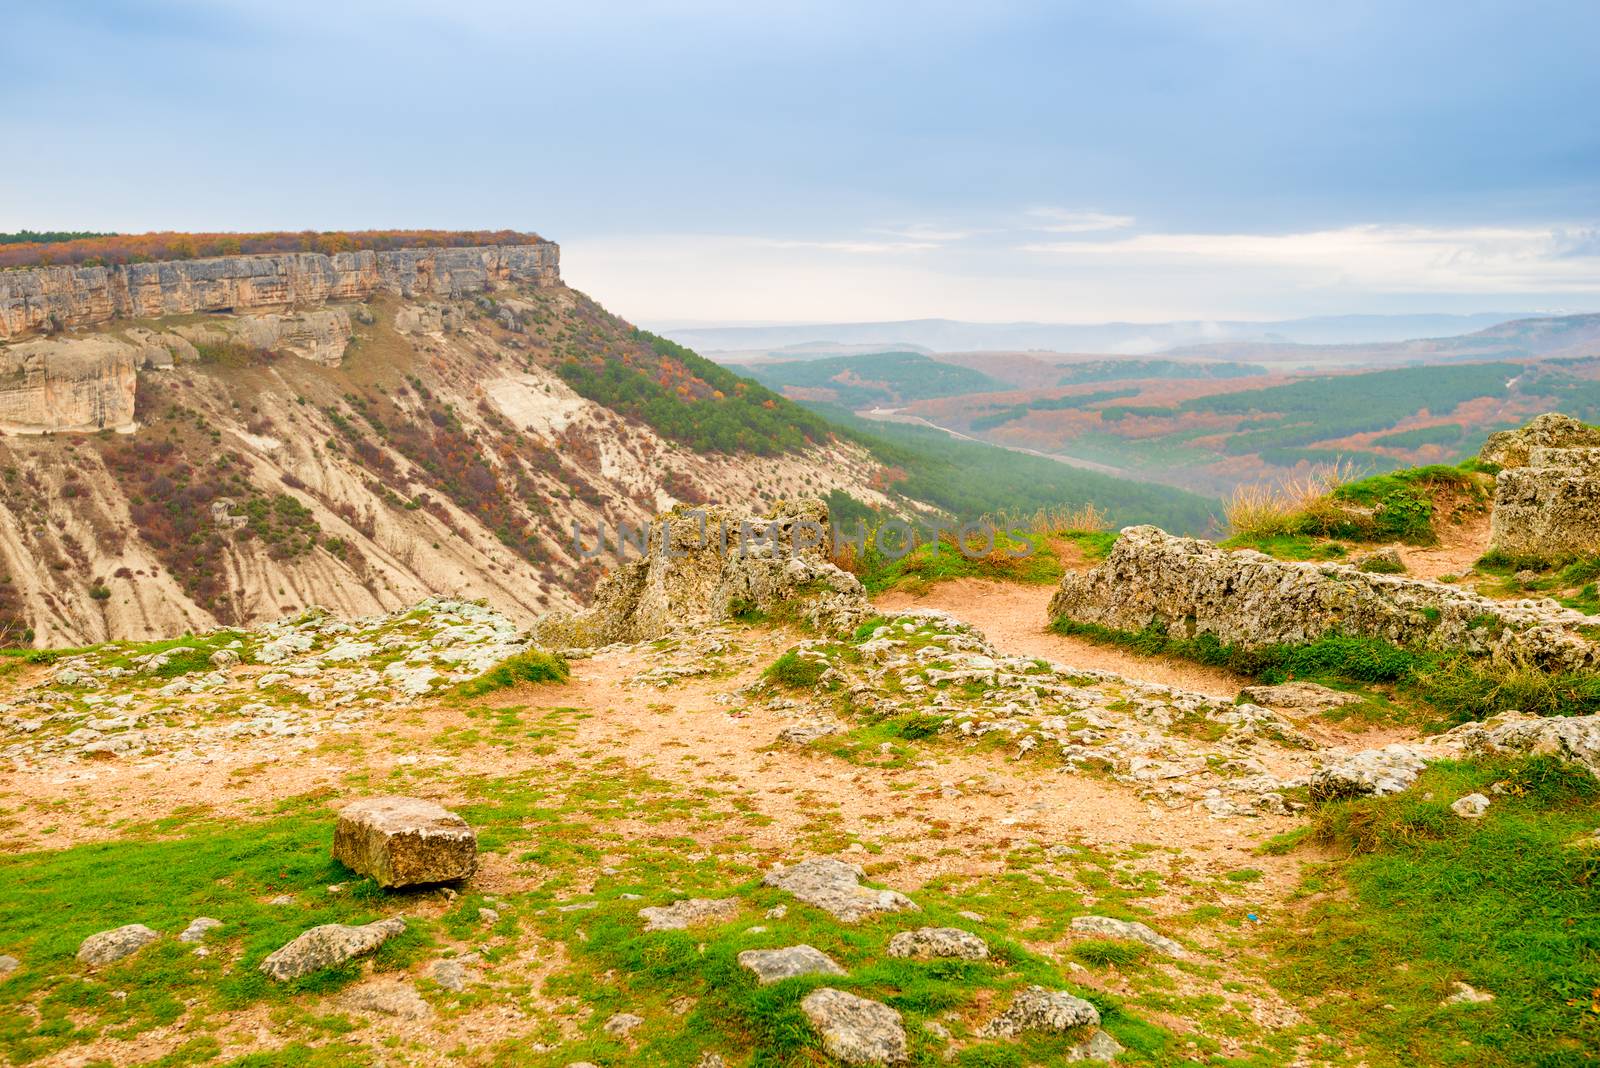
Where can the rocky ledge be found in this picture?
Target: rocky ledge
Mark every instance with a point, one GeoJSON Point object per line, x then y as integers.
{"type": "Point", "coordinates": [1245, 598]}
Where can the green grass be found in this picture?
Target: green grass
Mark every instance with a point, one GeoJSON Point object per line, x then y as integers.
{"type": "Point", "coordinates": [532, 666]}
{"type": "Point", "coordinates": [164, 876]}
{"type": "Point", "coordinates": [942, 561]}
{"type": "Point", "coordinates": [1421, 899]}
{"type": "Point", "coordinates": [796, 672]}
{"type": "Point", "coordinates": [1288, 546]}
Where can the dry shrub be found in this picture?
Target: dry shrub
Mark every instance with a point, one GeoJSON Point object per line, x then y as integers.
{"type": "Point", "coordinates": [1267, 510]}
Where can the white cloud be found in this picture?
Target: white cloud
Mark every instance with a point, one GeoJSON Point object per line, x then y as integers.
{"type": "Point", "coordinates": [1062, 221]}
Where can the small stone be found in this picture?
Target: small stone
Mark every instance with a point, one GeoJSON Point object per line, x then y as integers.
{"type": "Point", "coordinates": [1471, 807]}
{"type": "Point", "coordinates": [8, 964]}
{"type": "Point", "coordinates": [452, 975]}
{"type": "Point", "coordinates": [1466, 995]}
{"type": "Point", "coordinates": [196, 931]}
{"type": "Point", "coordinates": [778, 912]}
{"type": "Point", "coordinates": [1099, 1046]}
{"type": "Point", "coordinates": [108, 946]}
{"type": "Point", "coordinates": [488, 915]}
{"type": "Point", "coordinates": [938, 942]}
{"type": "Point", "coordinates": [793, 962]}
{"type": "Point", "coordinates": [387, 999]}
{"type": "Point", "coordinates": [856, 1030]}
{"type": "Point", "coordinates": [620, 1025]}
{"type": "Point", "coordinates": [1130, 930]}
{"type": "Point", "coordinates": [1038, 1009]}
{"type": "Point", "coordinates": [327, 946]}
{"type": "Point", "coordinates": [688, 913]}
{"type": "Point", "coordinates": [282, 899]}
{"type": "Point", "coordinates": [835, 887]}
{"type": "Point", "coordinates": [404, 841]}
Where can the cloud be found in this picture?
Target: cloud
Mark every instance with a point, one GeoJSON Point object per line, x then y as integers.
{"type": "Point", "coordinates": [1373, 258]}
{"type": "Point", "coordinates": [1062, 221]}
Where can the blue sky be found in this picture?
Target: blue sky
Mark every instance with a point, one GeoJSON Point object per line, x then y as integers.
{"type": "Point", "coordinates": [709, 161]}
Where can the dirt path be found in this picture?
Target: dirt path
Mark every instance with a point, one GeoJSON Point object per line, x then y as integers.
{"type": "Point", "coordinates": [1013, 617]}
{"type": "Point", "coordinates": [1460, 546]}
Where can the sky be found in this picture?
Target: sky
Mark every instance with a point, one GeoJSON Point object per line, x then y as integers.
{"type": "Point", "coordinates": [706, 161]}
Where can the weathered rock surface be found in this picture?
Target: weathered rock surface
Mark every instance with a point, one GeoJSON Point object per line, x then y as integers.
{"type": "Point", "coordinates": [1514, 448]}
{"type": "Point", "coordinates": [404, 841]}
{"type": "Point", "coordinates": [1303, 695]}
{"type": "Point", "coordinates": [1128, 930]}
{"type": "Point", "coordinates": [78, 384]}
{"type": "Point", "coordinates": [938, 942]}
{"type": "Point", "coordinates": [1099, 1046]}
{"type": "Point", "coordinates": [622, 1024]}
{"type": "Point", "coordinates": [1192, 587]}
{"type": "Point", "coordinates": [328, 946]}
{"type": "Point", "coordinates": [1470, 807]}
{"type": "Point", "coordinates": [1370, 771]}
{"type": "Point", "coordinates": [856, 1030]}
{"type": "Point", "coordinates": [835, 887]}
{"type": "Point", "coordinates": [1038, 1009]}
{"type": "Point", "coordinates": [1464, 994]}
{"type": "Point", "coordinates": [708, 564]}
{"type": "Point", "coordinates": [689, 912]}
{"type": "Point", "coordinates": [1574, 738]}
{"type": "Point", "coordinates": [320, 335]}
{"type": "Point", "coordinates": [1549, 508]}
{"type": "Point", "coordinates": [108, 946]}
{"type": "Point", "coordinates": [791, 962]}
{"type": "Point", "coordinates": [81, 296]}
{"type": "Point", "coordinates": [198, 929]}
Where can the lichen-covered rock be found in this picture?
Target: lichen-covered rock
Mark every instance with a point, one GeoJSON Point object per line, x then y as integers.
{"type": "Point", "coordinates": [688, 913]}
{"type": "Point", "coordinates": [198, 929]}
{"type": "Point", "coordinates": [835, 887]}
{"type": "Point", "coordinates": [1128, 930]}
{"type": "Point", "coordinates": [1372, 771]}
{"type": "Point", "coordinates": [856, 1030]}
{"type": "Point", "coordinates": [1549, 507]}
{"type": "Point", "coordinates": [108, 946]}
{"type": "Point", "coordinates": [1193, 587]}
{"type": "Point", "coordinates": [701, 565]}
{"type": "Point", "coordinates": [328, 946]}
{"type": "Point", "coordinates": [1099, 1046]}
{"type": "Point", "coordinates": [790, 962]}
{"type": "Point", "coordinates": [927, 942]}
{"type": "Point", "coordinates": [404, 841]}
{"type": "Point", "coordinates": [1046, 1011]}
{"type": "Point", "coordinates": [1574, 738]}
{"type": "Point", "coordinates": [1514, 448]}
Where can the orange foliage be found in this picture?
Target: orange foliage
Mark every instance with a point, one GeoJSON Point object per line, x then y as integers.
{"type": "Point", "coordinates": [160, 247]}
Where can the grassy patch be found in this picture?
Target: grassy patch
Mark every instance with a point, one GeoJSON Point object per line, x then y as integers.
{"type": "Point", "coordinates": [1422, 899]}
{"type": "Point", "coordinates": [532, 666]}
{"type": "Point", "coordinates": [1010, 558]}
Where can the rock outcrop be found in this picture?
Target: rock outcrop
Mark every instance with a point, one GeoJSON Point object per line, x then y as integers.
{"type": "Point", "coordinates": [328, 946]}
{"type": "Point", "coordinates": [80, 384]}
{"type": "Point", "coordinates": [1547, 495]}
{"type": "Point", "coordinates": [404, 841]}
{"type": "Point", "coordinates": [706, 564]}
{"type": "Point", "coordinates": [320, 335]}
{"type": "Point", "coordinates": [1251, 600]}
{"type": "Point", "coordinates": [60, 297]}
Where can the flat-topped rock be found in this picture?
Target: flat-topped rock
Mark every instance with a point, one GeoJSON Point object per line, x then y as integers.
{"type": "Point", "coordinates": [1306, 695]}
{"type": "Point", "coordinates": [791, 962]}
{"type": "Point", "coordinates": [835, 887]}
{"type": "Point", "coordinates": [856, 1030]}
{"type": "Point", "coordinates": [404, 841]}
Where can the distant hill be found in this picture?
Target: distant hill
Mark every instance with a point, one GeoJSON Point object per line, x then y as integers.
{"type": "Point", "coordinates": [1134, 339]}
{"type": "Point", "coordinates": [1559, 335]}
{"type": "Point", "coordinates": [875, 380]}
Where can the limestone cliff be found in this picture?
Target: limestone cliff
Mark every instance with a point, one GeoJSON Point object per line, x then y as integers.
{"type": "Point", "coordinates": [81, 384]}
{"type": "Point", "coordinates": [52, 298]}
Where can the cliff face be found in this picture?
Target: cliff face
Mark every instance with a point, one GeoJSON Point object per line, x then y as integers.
{"type": "Point", "coordinates": [58, 297]}
{"type": "Point", "coordinates": [81, 384]}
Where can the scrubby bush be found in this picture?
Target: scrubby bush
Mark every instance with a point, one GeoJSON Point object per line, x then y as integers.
{"type": "Point", "coordinates": [532, 666]}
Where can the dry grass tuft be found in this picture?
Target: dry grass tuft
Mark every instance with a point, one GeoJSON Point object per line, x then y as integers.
{"type": "Point", "coordinates": [1267, 510]}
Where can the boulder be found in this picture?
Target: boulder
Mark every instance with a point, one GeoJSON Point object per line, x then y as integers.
{"type": "Point", "coordinates": [198, 928]}
{"type": "Point", "coordinates": [108, 946]}
{"type": "Point", "coordinates": [622, 1024]}
{"type": "Point", "coordinates": [856, 1030]}
{"type": "Point", "coordinates": [1128, 930]}
{"type": "Point", "coordinates": [1372, 771]}
{"type": "Point", "coordinates": [1046, 1011]}
{"type": "Point", "coordinates": [1099, 1046]}
{"type": "Point", "coordinates": [791, 962]}
{"type": "Point", "coordinates": [835, 887]}
{"type": "Point", "coordinates": [328, 946]}
{"type": "Point", "coordinates": [1574, 738]}
{"type": "Point", "coordinates": [404, 841]}
{"type": "Point", "coordinates": [939, 942]}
